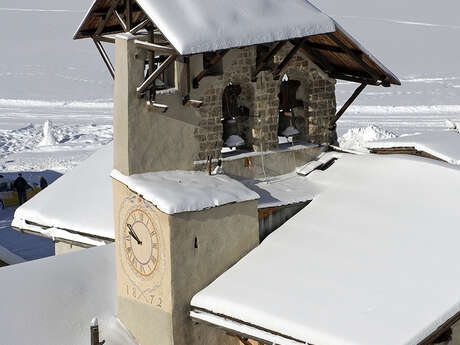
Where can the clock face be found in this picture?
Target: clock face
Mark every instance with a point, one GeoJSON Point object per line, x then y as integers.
{"type": "Point", "coordinates": [141, 243]}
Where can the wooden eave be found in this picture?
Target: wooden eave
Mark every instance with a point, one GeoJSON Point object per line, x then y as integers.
{"type": "Point", "coordinates": [342, 58]}
{"type": "Point", "coordinates": [91, 22]}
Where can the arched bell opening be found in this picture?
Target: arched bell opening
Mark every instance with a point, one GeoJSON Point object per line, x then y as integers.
{"type": "Point", "coordinates": [289, 105]}
{"type": "Point", "coordinates": [233, 118]}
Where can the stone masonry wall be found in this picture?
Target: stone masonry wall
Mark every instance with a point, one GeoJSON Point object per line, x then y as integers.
{"type": "Point", "coordinates": [317, 92]}
{"type": "Point", "coordinates": [238, 66]}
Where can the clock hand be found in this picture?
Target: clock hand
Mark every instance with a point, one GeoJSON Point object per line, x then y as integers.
{"type": "Point", "coordinates": [133, 234]}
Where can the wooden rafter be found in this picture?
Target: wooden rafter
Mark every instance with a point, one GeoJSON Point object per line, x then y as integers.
{"type": "Point", "coordinates": [355, 57]}
{"type": "Point", "coordinates": [355, 94]}
{"type": "Point", "coordinates": [216, 59]}
{"type": "Point", "coordinates": [129, 15]}
{"type": "Point", "coordinates": [104, 21]}
{"type": "Point", "coordinates": [154, 47]}
{"type": "Point", "coordinates": [151, 78]}
{"type": "Point", "coordinates": [292, 52]}
{"type": "Point", "coordinates": [105, 39]}
{"type": "Point", "coordinates": [330, 48]}
{"type": "Point", "coordinates": [354, 78]}
{"type": "Point", "coordinates": [267, 58]}
{"type": "Point", "coordinates": [120, 20]}
{"type": "Point", "coordinates": [105, 57]}
{"type": "Point", "coordinates": [140, 26]}
{"type": "Point", "coordinates": [325, 65]}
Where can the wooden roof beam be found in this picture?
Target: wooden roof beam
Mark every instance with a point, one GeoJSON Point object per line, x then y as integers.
{"type": "Point", "coordinates": [121, 21]}
{"type": "Point", "coordinates": [317, 59]}
{"type": "Point", "coordinates": [151, 79]}
{"type": "Point", "coordinates": [140, 26]}
{"type": "Point", "coordinates": [355, 57]}
{"type": "Point", "coordinates": [267, 58]}
{"type": "Point", "coordinates": [219, 56]}
{"type": "Point", "coordinates": [330, 48]}
{"type": "Point", "coordinates": [105, 39]}
{"type": "Point", "coordinates": [105, 57]}
{"type": "Point", "coordinates": [333, 123]}
{"type": "Point", "coordinates": [292, 52]}
{"type": "Point", "coordinates": [129, 15]}
{"type": "Point", "coordinates": [154, 47]}
{"type": "Point", "coordinates": [108, 15]}
{"type": "Point", "coordinates": [353, 78]}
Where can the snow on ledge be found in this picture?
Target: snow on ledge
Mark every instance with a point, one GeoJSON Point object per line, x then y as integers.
{"type": "Point", "coordinates": [56, 233]}
{"type": "Point", "coordinates": [186, 191]}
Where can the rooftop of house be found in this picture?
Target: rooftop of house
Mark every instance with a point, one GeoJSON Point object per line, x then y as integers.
{"type": "Point", "coordinates": [79, 202]}
{"type": "Point", "coordinates": [361, 265]}
{"type": "Point", "coordinates": [59, 296]}
{"type": "Point", "coordinates": [379, 229]}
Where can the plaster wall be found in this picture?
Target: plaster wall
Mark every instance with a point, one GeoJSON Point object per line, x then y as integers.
{"type": "Point", "coordinates": [150, 323]}
{"type": "Point", "coordinates": [204, 245]}
{"type": "Point", "coordinates": [146, 140]}
{"type": "Point", "coordinates": [197, 247]}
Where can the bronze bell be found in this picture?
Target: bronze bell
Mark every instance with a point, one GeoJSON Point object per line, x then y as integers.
{"type": "Point", "coordinates": [230, 116]}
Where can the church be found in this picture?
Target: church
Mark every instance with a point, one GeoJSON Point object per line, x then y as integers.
{"type": "Point", "coordinates": [235, 218]}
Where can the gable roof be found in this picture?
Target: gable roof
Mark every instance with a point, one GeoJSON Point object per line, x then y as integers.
{"type": "Point", "coordinates": [76, 204]}
{"type": "Point", "coordinates": [373, 260]}
{"type": "Point", "coordinates": [198, 26]}
{"type": "Point", "coordinates": [53, 300]}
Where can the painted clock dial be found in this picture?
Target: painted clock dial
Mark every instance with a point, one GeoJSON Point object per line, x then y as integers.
{"type": "Point", "coordinates": [141, 243]}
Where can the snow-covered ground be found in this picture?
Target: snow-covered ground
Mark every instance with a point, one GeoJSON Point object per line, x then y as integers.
{"type": "Point", "coordinates": [413, 38]}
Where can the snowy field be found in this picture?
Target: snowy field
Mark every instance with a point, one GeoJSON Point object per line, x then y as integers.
{"type": "Point", "coordinates": [415, 39]}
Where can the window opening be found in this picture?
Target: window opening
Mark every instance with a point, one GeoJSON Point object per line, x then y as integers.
{"type": "Point", "coordinates": [233, 117]}
{"type": "Point", "coordinates": [287, 102]}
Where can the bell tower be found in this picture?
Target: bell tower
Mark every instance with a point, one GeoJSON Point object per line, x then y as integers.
{"type": "Point", "coordinates": [176, 230]}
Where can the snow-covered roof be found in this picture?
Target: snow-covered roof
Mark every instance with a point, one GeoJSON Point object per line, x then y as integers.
{"type": "Point", "coordinates": [444, 145]}
{"type": "Point", "coordinates": [78, 203]}
{"type": "Point", "coordinates": [372, 260]}
{"type": "Point", "coordinates": [53, 300]}
{"type": "Point", "coordinates": [209, 25]}
{"type": "Point", "coordinates": [186, 191]}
